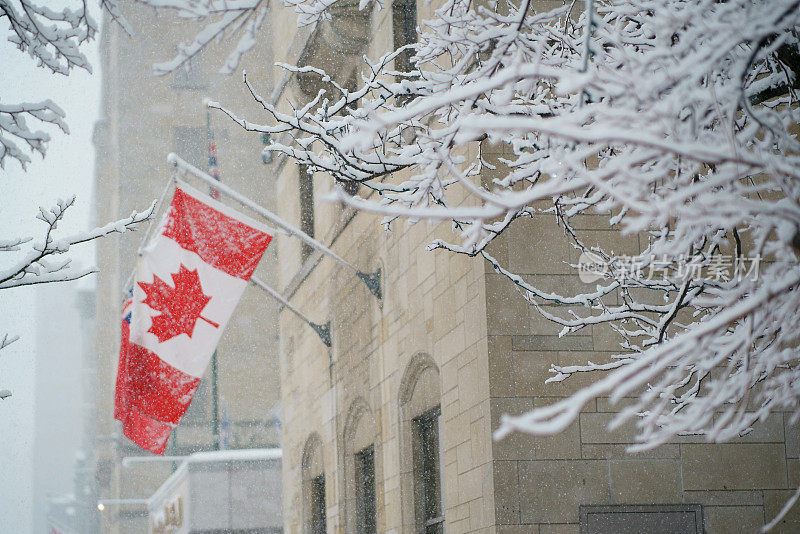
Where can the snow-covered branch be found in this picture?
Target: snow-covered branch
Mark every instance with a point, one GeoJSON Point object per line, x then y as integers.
{"type": "Point", "coordinates": [14, 129]}
{"type": "Point", "coordinates": [675, 120]}
{"type": "Point", "coordinates": [220, 19]}
{"type": "Point", "coordinates": [53, 39]}
{"type": "Point", "coordinates": [47, 260]}
{"type": "Point", "coordinates": [44, 261]}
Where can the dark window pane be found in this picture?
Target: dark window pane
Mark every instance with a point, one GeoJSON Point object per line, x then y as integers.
{"type": "Point", "coordinates": [430, 515]}
{"type": "Point", "coordinates": [365, 491]}
{"type": "Point", "coordinates": [636, 518]}
{"type": "Point", "coordinates": [404, 25]}
{"type": "Point", "coordinates": [191, 144]}
{"type": "Point", "coordinates": [306, 190]}
{"type": "Point", "coordinates": [318, 505]}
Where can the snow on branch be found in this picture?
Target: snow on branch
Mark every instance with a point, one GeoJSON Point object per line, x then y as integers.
{"type": "Point", "coordinates": [220, 19]}
{"type": "Point", "coordinates": [45, 261]}
{"type": "Point", "coordinates": [14, 129]}
{"type": "Point", "coordinates": [53, 39]}
{"type": "Point", "coordinates": [6, 341]}
{"type": "Point", "coordinates": [675, 120]}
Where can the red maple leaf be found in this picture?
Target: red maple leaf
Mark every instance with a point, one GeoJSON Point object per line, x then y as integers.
{"type": "Point", "coordinates": [180, 306]}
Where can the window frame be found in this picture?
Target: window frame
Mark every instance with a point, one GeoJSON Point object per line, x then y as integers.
{"type": "Point", "coordinates": [419, 392]}
{"type": "Point", "coordinates": [314, 503]}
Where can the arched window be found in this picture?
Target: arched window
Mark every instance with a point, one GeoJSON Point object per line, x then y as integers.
{"type": "Point", "coordinates": [420, 446]}
{"type": "Point", "coordinates": [360, 470]}
{"type": "Point", "coordinates": [313, 468]}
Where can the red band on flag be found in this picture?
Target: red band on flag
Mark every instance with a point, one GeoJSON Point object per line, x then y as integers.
{"type": "Point", "coordinates": [121, 390]}
{"type": "Point", "coordinates": [146, 432]}
{"type": "Point", "coordinates": [221, 241]}
{"type": "Point", "coordinates": [156, 388]}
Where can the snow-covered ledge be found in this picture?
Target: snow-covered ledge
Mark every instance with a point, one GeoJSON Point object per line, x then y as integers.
{"type": "Point", "coordinates": [220, 490]}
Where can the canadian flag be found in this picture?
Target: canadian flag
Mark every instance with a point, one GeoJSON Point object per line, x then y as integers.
{"type": "Point", "coordinates": [188, 281]}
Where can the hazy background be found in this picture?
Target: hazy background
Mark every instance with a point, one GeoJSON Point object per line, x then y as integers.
{"type": "Point", "coordinates": [44, 346]}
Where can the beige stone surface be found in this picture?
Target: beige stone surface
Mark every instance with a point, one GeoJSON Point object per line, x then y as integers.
{"type": "Point", "coordinates": [724, 498]}
{"type": "Point", "coordinates": [551, 250]}
{"type": "Point", "coordinates": [569, 528]}
{"type": "Point", "coordinates": [723, 467]}
{"type": "Point", "coordinates": [792, 433]}
{"type": "Point", "coordinates": [645, 481]}
{"type": "Point", "coordinates": [594, 429]}
{"type": "Point", "coordinates": [507, 493]}
{"type": "Point", "coordinates": [518, 529]}
{"type": "Point", "coordinates": [732, 519]}
{"type": "Point", "coordinates": [552, 490]}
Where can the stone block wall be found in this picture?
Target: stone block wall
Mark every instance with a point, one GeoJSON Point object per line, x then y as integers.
{"type": "Point", "coordinates": [492, 352]}
{"type": "Point", "coordinates": [540, 482]}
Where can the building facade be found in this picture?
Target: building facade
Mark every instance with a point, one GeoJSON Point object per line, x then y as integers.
{"type": "Point", "coordinates": [236, 491]}
{"type": "Point", "coordinates": [143, 119]}
{"type": "Point", "coordinates": [390, 429]}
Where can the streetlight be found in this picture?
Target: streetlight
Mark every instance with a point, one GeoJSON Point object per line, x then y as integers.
{"type": "Point", "coordinates": [101, 504]}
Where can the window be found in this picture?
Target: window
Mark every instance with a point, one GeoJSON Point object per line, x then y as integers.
{"type": "Point", "coordinates": [190, 74]}
{"type": "Point", "coordinates": [427, 468]}
{"type": "Point", "coordinates": [404, 26]}
{"type": "Point", "coordinates": [306, 190]}
{"type": "Point", "coordinates": [190, 144]}
{"type": "Point", "coordinates": [365, 491]}
{"type": "Point", "coordinates": [317, 519]}
{"type": "Point", "coordinates": [361, 470]}
{"type": "Point", "coordinates": [421, 493]}
{"type": "Point", "coordinates": [313, 486]}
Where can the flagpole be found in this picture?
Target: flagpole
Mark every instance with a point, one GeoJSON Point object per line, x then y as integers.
{"type": "Point", "coordinates": [213, 171]}
{"type": "Point", "coordinates": [322, 330]}
{"type": "Point", "coordinates": [371, 280]}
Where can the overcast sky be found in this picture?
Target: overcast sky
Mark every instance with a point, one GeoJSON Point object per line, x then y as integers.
{"type": "Point", "coordinates": [67, 170]}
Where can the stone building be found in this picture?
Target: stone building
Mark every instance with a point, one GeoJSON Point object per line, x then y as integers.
{"type": "Point", "coordinates": [143, 119]}
{"type": "Point", "coordinates": [390, 429]}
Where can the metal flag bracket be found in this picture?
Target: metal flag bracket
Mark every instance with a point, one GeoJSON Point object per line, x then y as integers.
{"type": "Point", "coordinates": [322, 330]}
{"type": "Point", "coordinates": [373, 282]}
